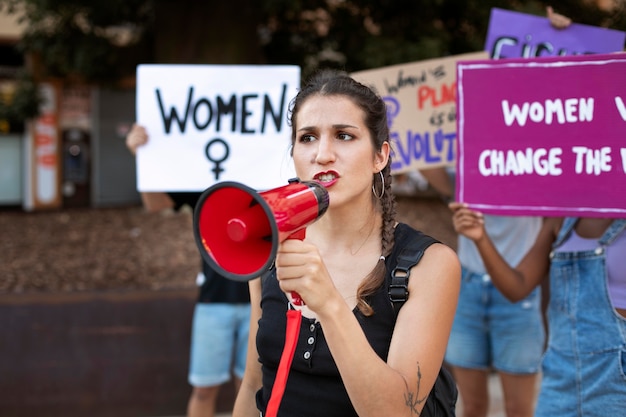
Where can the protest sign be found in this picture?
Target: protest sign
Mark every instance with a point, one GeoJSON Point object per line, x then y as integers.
{"type": "Point", "coordinates": [421, 110]}
{"type": "Point", "coordinates": [519, 35]}
{"type": "Point", "coordinates": [543, 136]}
{"type": "Point", "coordinates": [214, 123]}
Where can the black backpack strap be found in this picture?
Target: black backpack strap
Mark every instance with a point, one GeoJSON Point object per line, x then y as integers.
{"type": "Point", "coordinates": [410, 256]}
{"type": "Point", "coordinates": [441, 401]}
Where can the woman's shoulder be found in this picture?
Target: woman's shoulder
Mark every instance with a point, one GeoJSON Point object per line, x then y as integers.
{"type": "Point", "coordinates": [404, 231]}
{"type": "Point", "coordinates": [407, 238]}
{"type": "Point", "coordinates": [406, 235]}
{"type": "Point", "coordinates": [438, 259]}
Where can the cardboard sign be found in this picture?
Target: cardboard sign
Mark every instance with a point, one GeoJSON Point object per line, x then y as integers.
{"type": "Point", "coordinates": [214, 123]}
{"type": "Point", "coordinates": [421, 110]}
{"type": "Point", "coordinates": [519, 35]}
{"type": "Point", "coordinates": [543, 136]}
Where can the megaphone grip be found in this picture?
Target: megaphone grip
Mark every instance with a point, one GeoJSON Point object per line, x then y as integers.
{"type": "Point", "coordinates": [296, 300]}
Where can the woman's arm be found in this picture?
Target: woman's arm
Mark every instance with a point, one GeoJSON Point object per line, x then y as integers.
{"type": "Point", "coordinates": [153, 201]}
{"type": "Point", "coordinates": [514, 282]}
{"type": "Point", "coordinates": [423, 327]}
{"type": "Point", "coordinates": [245, 403]}
{"type": "Point", "coordinates": [399, 386]}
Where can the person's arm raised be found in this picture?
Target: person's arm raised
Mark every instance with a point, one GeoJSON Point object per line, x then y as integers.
{"type": "Point", "coordinates": [152, 201]}
{"type": "Point", "coordinates": [515, 282]}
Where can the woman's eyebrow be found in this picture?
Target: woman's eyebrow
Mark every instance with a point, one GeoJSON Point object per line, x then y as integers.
{"type": "Point", "coordinates": [335, 126]}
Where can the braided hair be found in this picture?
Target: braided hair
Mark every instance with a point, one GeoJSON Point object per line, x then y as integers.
{"type": "Point", "coordinates": [338, 83]}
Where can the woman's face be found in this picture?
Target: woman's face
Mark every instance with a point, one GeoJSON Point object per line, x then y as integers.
{"type": "Point", "coordinates": [334, 147]}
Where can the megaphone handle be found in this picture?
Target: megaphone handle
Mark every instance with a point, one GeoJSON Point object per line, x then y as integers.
{"type": "Point", "coordinates": [296, 300]}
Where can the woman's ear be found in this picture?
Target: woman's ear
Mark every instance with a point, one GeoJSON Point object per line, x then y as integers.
{"type": "Point", "coordinates": [382, 156]}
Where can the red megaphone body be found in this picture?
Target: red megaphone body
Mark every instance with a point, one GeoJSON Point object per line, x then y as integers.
{"type": "Point", "coordinates": [238, 229]}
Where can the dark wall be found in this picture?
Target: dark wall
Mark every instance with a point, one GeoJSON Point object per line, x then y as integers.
{"type": "Point", "coordinates": [96, 354]}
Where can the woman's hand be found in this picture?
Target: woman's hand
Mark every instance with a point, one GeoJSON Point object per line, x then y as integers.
{"type": "Point", "coordinates": [299, 268]}
{"type": "Point", "coordinates": [136, 137]}
{"type": "Point", "coordinates": [557, 20]}
{"type": "Point", "coordinates": [467, 222]}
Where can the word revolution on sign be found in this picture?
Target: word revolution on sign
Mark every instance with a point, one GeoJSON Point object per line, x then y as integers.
{"type": "Point", "coordinates": [431, 147]}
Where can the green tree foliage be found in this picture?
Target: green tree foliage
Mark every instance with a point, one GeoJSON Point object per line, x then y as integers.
{"type": "Point", "coordinates": [86, 40]}
{"type": "Point", "coordinates": [81, 39]}
{"type": "Point", "coordinates": [357, 35]}
{"type": "Point", "coordinates": [20, 104]}
{"type": "Point", "coordinates": [102, 41]}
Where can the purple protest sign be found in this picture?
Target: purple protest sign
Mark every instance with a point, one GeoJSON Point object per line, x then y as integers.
{"type": "Point", "coordinates": [519, 35]}
{"type": "Point", "coordinates": [543, 136]}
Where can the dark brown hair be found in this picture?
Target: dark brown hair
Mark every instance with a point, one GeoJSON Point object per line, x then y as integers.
{"type": "Point", "coordinates": [339, 83]}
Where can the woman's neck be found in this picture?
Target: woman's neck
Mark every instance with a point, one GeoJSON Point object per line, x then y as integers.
{"type": "Point", "coordinates": [347, 230]}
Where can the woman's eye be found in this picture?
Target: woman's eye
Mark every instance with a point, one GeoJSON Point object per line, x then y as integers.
{"type": "Point", "coordinates": [345, 136]}
{"type": "Point", "coordinates": [307, 138]}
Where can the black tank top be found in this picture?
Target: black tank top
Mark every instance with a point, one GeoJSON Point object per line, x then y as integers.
{"type": "Point", "coordinates": [314, 386]}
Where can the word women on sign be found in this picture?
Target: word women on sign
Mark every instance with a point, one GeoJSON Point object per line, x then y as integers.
{"type": "Point", "coordinates": [240, 109]}
{"type": "Point", "coordinates": [571, 110]}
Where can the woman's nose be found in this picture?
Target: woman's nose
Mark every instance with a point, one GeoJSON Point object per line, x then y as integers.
{"type": "Point", "coordinates": [325, 151]}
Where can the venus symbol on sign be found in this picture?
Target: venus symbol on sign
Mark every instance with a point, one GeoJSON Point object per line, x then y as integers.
{"type": "Point", "coordinates": [217, 169]}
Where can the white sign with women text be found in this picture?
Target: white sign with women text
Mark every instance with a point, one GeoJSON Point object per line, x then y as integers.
{"type": "Point", "coordinates": [214, 123]}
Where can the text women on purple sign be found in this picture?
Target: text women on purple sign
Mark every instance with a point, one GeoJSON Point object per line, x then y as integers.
{"type": "Point", "coordinates": [543, 136]}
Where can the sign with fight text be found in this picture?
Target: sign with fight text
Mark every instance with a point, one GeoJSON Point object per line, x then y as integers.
{"type": "Point", "coordinates": [214, 123]}
{"type": "Point", "coordinates": [543, 136]}
{"type": "Point", "coordinates": [519, 35]}
{"type": "Point", "coordinates": [421, 110]}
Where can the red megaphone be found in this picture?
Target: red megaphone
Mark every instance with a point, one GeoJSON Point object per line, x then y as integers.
{"type": "Point", "coordinates": [238, 229]}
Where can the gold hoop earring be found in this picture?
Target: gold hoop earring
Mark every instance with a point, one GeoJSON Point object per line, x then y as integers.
{"type": "Point", "coordinates": [382, 192]}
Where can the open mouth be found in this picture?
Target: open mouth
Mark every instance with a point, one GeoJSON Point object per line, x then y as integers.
{"type": "Point", "coordinates": [326, 178]}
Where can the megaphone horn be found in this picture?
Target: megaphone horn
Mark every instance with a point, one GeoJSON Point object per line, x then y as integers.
{"type": "Point", "coordinates": [238, 229]}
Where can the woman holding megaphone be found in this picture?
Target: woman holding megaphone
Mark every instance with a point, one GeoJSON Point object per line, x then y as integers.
{"type": "Point", "coordinates": [353, 356]}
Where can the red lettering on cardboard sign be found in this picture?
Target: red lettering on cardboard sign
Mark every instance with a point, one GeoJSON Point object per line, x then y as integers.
{"type": "Point", "coordinates": [446, 94]}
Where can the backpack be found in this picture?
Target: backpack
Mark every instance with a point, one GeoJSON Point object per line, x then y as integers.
{"type": "Point", "coordinates": [441, 401]}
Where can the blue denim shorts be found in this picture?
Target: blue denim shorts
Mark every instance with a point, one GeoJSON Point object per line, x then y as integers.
{"type": "Point", "coordinates": [219, 341]}
{"type": "Point", "coordinates": [491, 332]}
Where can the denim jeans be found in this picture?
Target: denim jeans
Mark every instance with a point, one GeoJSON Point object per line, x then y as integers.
{"type": "Point", "coordinates": [490, 331]}
{"type": "Point", "coordinates": [584, 368]}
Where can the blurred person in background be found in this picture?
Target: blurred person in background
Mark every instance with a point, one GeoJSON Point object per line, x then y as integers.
{"type": "Point", "coordinates": [490, 332]}
{"type": "Point", "coordinates": [220, 326]}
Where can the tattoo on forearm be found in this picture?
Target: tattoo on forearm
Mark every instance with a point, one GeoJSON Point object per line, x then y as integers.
{"type": "Point", "coordinates": [412, 399]}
